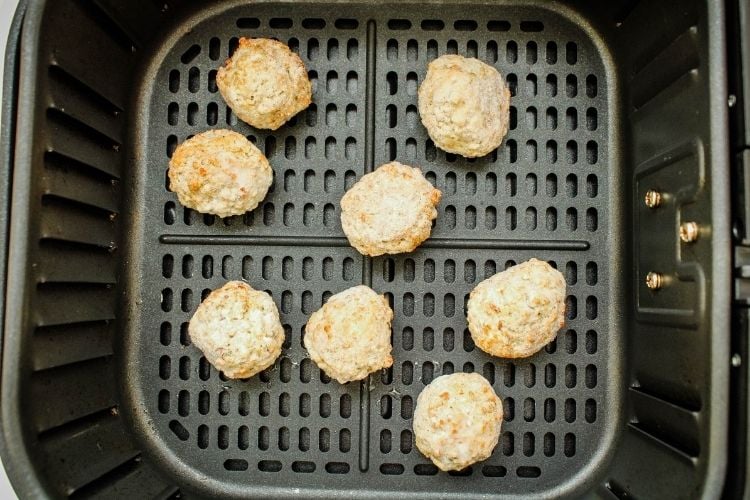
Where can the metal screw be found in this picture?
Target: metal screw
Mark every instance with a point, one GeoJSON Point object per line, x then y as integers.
{"type": "Point", "coordinates": [732, 100]}
{"type": "Point", "coordinates": [652, 198]}
{"type": "Point", "coordinates": [688, 232]}
{"type": "Point", "coordinates": [736, 360]}
{"type": "Point", "coordinates": [654, 281]}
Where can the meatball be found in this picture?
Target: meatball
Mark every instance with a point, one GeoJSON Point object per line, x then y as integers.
{"type": "Point", "coordinates": [389, 210]}
{"type": "Point", "coordinates": [464, 104]}
{"type": "Point", "coordinates": [219, 172]}
{"type": "Point", "coordinates": [238, 330]}
{"type": "Point", "coordinates": [350, 336]}
{"type": "Point", "coordinates": [515, 313]}
{"type": "Point", "coordinates": [457, 420]}
{"type": "Point", "coordinates": [264, 83]}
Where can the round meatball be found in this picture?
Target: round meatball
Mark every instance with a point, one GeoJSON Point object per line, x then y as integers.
{"type": "Point", "coordinates": [389, 210]}
{"type": "Point", "coordinates": [457, 420]}
{"type": "Point", "coordinates": [264, 83]}
{"type": "Point", "coordinates": [350, 336]}
{"type": "Point", "coordinates": [515, 313]}
{"type": "Point", "coordinates": [219, 172]}
{"type": "Point", "coordinates": [464, 104]}
{"type": "Point", "coordinates": [238, 329]}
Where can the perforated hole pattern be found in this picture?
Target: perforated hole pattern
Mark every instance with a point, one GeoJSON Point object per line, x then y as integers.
{"type": "Point", "coordinates": [542, 194]}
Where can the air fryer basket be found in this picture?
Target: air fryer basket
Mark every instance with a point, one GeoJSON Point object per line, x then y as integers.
{"type": "Point", "coordinates": [103, 394]}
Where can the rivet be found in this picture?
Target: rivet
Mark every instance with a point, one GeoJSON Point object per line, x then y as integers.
{"type": "Point", "coordinates": [654, 281]}
{"type": "Point", "coordinates": [652, 198]}
{"type": "Point", "coordinates": [736, 360]}
{"type": "Point", "coordinates": [688, 232]}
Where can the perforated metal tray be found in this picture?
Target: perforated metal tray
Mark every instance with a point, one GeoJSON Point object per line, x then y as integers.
{"type": "Point", "coordinates": [545, 193]}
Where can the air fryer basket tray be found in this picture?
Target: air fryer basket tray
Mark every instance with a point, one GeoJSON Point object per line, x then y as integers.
{"type": "Point", "coordinates": [545, 193]}
{"type": "Point", "coordinates": [103, 394]}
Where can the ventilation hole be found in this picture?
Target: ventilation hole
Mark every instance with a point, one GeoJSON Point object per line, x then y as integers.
{"type": "Point", "coordinates": [549, 444]}
{"type": "Point", "coordinates": [591, 308]}
{"type": "Point", "coordinates": [472, 49]}
{"type": "Point", "coordinates": [311, 119]}
{"type": "Point", "coordinates": [325, 405]}
{"type": "Point", "coordinates": [234, 42]}
{"type": "Point", "coordinates": [183, 403]}
{"type": "Point", "coordinates": [429, 271]}
{"type": "Point", "coordinates": [324, 439]}
{"type": "Point", "coordinates": [248, 23]}
{"type": "Point", "coordinates": [412, 51]}
{"type": "Point", "coordinates": [591, 89]}
{"type": "Point", "coordinates": [263, 438]}
{"type": "Point", "coordinates": [409, 270]}
{"type": "Point", "coordinates": [498, 26]}
{"type": "Point", "coordinates": [590, 411]}
{"type": "Point", "coordinates": [551, 219]}
{"type": "Point", "coordinates": [332, 82]}
{"type": "Point", "coordinates": [204, 369]}
{"type": "Point", "coordinates": [350, 153]}
{"type": "Point", "coordinates": [450, 217]}
{"type": "Point", "coordinates": [264, 404]}
{"type": "Point", "coordinates": [399, 24]}
{"type": "Point", "coordinates": [174, 81]}
{"type": "Point", "coordinates": [490, 268]}
{"type": "Point", "coordinates": [203, 437]}
{"type": "Point", "coordinates": [511, 54]}
{"type": "Point", "coordinates": [179, 430]}
{"type": "Point", "coordinates": [528, 471]}
{"type": "Point", "coordinates": [409, 304]}
{"type": "Point", "coordinates": [569, 445]}
{"type": "Point", "coordinates": [428, 339]}
{"type": "Point", "coordinates": [470, 271]}
{"type": "Point", "coordinates": [283, 439]}
{"type": "Point", "coordinates": [531, 26]}
{"type": "Point", "coordinates": [591, 219]}
{"type": "Point", "coordinates": [385, 441]}
{"type": "Point", "coordinates": [549, 410]}
{"type": "Point", "coordinates": [491, 52]}
{"type": "Point", "coordinates": [470, 217]}
{"type": "Point", "coordinates": [490, 218]}
{"type": "Point", "coordinates": [184, 368]}
{"type": "Point", "coordinates": [392, 50]}
{"type": "Point", "coordinates": [269, 466]}
{"type": "Point", "coordinates": [163, 401]}
{"type": "Point", "coordinates": [390, 115]}
{"type": "Point", "coordinates": [390, 148]}
{"type": "Point", "coordinates": [430, 152]}
{"type": "Point", "coordinates": [330, 148]}
{"type": "Point", "coordinates": [280, 23]}
{"type": "Point", "coordinates": [513, 118]}
{"type": "Point", "coordinates": [190, 54]}
{"type": "Point", "coordinates": [531, 54]}
{"type": "Point", "coordinates": [432, 25]}
{"type": "Point", "coordinates": [337, 468]}
{"type": "Point", "coordinates": [171, 145]}
{"type": "Point", "coordinates": [391, 469]}
{"type": "Point", "coordinates": [511, 218]}
{"type": "Point", "coordinates": [305, 370]}
{"type": "Point", "coordinates": [592, 152]}
{"type": "Point", "coordinates": [303, 467]}
{"type": "Point", "coordinates": [391, 82]}
{"type": "Point", "coordinates": [591, 119]}
{"type": "Point", "coordinates": [550, 375]}
{"type": "Point", "coordinates": [313, 24]}
{"type": "Point", "coordinates": [465, 25]}
{"type": "Point", "coordinates": [428, 305]}
{"type": "Point", "coordinates": [194, 82]}
{"type": "Point", "coordinates": [571, 87]}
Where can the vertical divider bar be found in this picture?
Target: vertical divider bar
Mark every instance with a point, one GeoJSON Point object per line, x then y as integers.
{"type": "Point", "coordinates": [364, 388]}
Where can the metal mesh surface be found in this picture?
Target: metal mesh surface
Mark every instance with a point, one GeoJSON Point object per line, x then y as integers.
{"type": "Point", "coordinates": [543, 194]}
